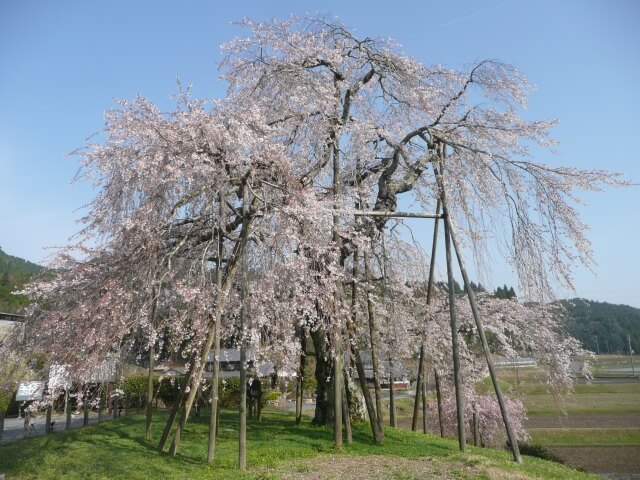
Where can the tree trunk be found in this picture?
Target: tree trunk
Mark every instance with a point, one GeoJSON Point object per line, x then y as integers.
{"type": "Point", "coordinates": [2, 425]}
{"type": "Point", "coordinates": [323, 411]}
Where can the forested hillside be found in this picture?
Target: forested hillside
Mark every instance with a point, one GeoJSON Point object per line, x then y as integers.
{"type": "Point", "coordinates": [14, 273]}
{"type": "Point", "coordinates": [603, 327]}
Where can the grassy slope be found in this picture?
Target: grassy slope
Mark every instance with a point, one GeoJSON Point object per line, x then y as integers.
{"type": "Point", "coordinates": [118, 450]}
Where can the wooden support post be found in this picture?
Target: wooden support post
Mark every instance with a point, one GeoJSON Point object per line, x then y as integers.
{"type": "Point", "coordinates": [392, 396]}
{"type": "Point", "coordinates": [148, 435]}
{"type": "Point", "coordinates": [215, 374]}
{"type": "Point", "coordinates": [244, 329]}
{"type": "Point", "coordinates": [67, 405]}
{"type": "Point", "coordinates": [421, 369]}
{"type": "Point", "coordinates": [439, 398]}
{"type": "Point", "coordinates": [373, 337]}
{"type": "Point", "coordinates": [345, 409]}
{"type": "Point", "coordinates": [475, 426]}
{"type": "Point", "coordinates": [85, 411]}
{"type": "Point", "coordinates": [450, 235]}
{"type": "Point", "coordinates": [300, 377]}
{"type": "Point", "coordinates": [116, 406]}
{"type": "Point", "coordinates": [48, 428]}
{"type": "Point", "coordinates": [376, 428]}
{"type": "Point", "coordinates": [100, 402]}
{"type": "Point", "coordinates": [425, 384]}
{"type": "Point", "coordinates": [454, 340]}
{"type": "Point", "coordinates": [416, 402]}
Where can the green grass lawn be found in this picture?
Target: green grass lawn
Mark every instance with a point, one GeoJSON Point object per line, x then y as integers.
{"type": "Point", "coordinates": [594, 398]}
{"type": "Point", "coordinates": [585, 436]}
{"type": "Point", "coordinates": [118, 450]}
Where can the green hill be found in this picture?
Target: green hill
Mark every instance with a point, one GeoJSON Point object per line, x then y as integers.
{"type": "Point", "coordinates": [603, 327]}
{"type": "Point", "coordinates": [14, 273]}
{"type": "Point", "coordinates": [277, 448]}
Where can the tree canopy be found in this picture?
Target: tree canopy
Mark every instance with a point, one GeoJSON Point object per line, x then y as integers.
{"type": "Point", "coordinates": [317, 127]}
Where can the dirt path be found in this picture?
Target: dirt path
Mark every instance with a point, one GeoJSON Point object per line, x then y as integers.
{"type": "Point", "coordinates": [385, 467]}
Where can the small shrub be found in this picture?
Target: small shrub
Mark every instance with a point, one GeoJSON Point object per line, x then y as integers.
{"type": "Point", "coordinates": [229, 393]}
{"type": "Point", "coordinates": [539, 451]}
{"type": "Point", "coordinates": [134, 385]}
{"type": "Point", "coordinates": [271, 396]}
{"type": "Point", "coordinates": [168, 390]}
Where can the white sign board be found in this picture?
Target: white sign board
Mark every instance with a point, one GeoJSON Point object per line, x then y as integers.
{"type": "Point", "coordinates": [104, 372]}
{"type": "Point", "coordinates": [28, 391]}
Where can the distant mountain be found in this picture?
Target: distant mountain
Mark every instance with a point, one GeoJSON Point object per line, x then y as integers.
{"type": "Point", "coordinates": [14, 273]}
{"type": "Point", "coordinates": [603, 327]}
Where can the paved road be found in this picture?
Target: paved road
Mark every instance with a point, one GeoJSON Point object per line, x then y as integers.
{"type": "Point", "coordinates": [14, 427]}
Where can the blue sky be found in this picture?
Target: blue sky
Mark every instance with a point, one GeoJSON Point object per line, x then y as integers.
{"type": "Point", "coordinates": [63, 63]}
